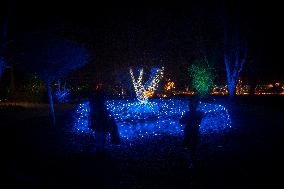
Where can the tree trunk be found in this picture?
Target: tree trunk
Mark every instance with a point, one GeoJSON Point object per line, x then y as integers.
{"type": "Point", "coordinates": [232, 89]}
{"type": "Point", "coordinates": [51, 107]}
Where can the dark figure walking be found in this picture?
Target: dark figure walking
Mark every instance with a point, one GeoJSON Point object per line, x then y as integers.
{"type": "Point", "coordinates": [192, 120]}
{"type": "Point", "coordinates": [101, 121]}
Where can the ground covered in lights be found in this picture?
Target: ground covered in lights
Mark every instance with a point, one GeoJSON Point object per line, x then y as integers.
{"type": "Point", "coordinates": [245, 155]}
{"type": "Point", "coordinates": [156, 117]}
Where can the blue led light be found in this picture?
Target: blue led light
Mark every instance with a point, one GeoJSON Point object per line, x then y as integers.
{"type": "Point", "coordinates": [156, 117]}
{"type": "Point", "coordinates": [82, 119]}
{"type": "Point", "coordinates": [62, 95]}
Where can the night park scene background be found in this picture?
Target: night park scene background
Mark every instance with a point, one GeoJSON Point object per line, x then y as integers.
{"type": "Point", "coordinates": [141, 94]}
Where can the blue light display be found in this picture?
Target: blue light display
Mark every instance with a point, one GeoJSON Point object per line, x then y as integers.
{"type": "Point", "coordinates": [156, 117]}
{"type": "Point", "coordinates": [62, 95]}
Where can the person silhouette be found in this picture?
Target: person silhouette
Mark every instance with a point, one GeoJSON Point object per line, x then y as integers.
{"type": "Point", "coordinates": [192, 120]}
{"type": "Point", "coordinates": [100, 120]}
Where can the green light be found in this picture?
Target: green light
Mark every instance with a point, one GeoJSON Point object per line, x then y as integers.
{"type": "Point", "coordinates": [202, 76]}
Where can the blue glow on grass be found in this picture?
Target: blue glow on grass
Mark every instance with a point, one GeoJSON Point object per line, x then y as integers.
{"type": "Point", "coordinates": [158, 116]}
{"type": "Point", "coordinates": [82, 118]}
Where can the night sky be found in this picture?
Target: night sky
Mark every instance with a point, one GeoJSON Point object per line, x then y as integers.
{"type": "Point", "coordinates": [136, 33]}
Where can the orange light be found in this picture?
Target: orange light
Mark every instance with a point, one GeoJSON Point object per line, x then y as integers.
{"type": "Point", "coordinates": [149, 93]}
{"type": "Point", "coordinates": [170, 85]}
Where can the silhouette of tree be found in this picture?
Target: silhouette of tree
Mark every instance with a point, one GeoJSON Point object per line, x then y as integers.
{"type": "Point", "coordinates": [48, 56]}
{"type": "Point", "coordinates": [235, 56]}
{"type": "Point", "coordinates": [4, 38]}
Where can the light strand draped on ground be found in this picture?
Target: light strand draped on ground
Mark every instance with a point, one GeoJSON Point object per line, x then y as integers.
{"type": "Point", "coordinates": [159, 116]}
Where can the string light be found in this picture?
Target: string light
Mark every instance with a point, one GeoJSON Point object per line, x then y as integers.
{"type": "Point", "coordinates": [62, 95]}
{"type": "Point", "coordinates": [143, 92]}
{"type": "Point", "coordinates": [158, 116]}
{"type": "Point", "coordinates": [169, 86]}
{"type": "Point", "coordinates": [156, 76]}
{"type": "Point", "coordinates": [202, 77]}
{"type": "Point", "coordinates": [138, 87]}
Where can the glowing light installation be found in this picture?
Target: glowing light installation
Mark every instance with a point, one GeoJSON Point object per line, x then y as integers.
{"type": "Point", "coordinates": [156, 76]}
{"type": "Point", "coordinates": [202, 76]}
{"type": "Point", "coordinates": [62, 95]}
{"type": "Point", "coordinates": [170, 85]}
{"type": "Point", "coordinates": [235, 56]}
{"type": "Point", "coordinates": [159, 116]}
{"type": "Point", "coordinates": [2, 66]}
{"type": "Point", "coordinates": [82, 118]}
{"type": "Point", "coordinates": [144, 92]}
{"type": "Point", "coordinates": [138, 87]}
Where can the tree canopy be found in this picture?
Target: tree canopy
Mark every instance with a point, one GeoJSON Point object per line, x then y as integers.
{"type": "Point", "coordinates": [48, 56]}
{"type": "Point", "coordinates": [202, 76]}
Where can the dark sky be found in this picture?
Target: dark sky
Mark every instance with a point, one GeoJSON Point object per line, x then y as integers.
{"type": "Point", "coordinates": [158, 31]}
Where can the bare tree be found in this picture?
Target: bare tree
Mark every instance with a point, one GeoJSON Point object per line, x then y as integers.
{"type": "Point", "coordinates": [50, 57]}
{"type": "Point", "coordinates": [235, 56]}
{"type": "Point", "coordinates": [7, 8]}
{"type": "Point", "coordinates": [3, 44]}
{"type": "Point", "coordinates": [2, 63]}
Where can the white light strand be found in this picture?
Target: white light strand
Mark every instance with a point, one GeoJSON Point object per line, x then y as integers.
{"type": "Point", "coordinates": [154, 83]}
{"type": "Point", "coordinates": [139, 88]}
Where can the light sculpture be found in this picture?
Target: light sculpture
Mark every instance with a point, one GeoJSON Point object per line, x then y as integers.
{"type": "Point", "coordinates": [143, 92]}
{"type": "Point", "coordinates": [157, 117]}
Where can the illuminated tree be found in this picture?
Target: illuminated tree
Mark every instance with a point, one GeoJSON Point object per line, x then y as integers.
{"type": "Point", "coordinates": [202, 77]}
{"type": "Point", "coordinates": [7, 9]}
{"type": "Point", "coordinates": [235, 56]}
{"type": "Point", "coordinates": [138, 86]}
{"type": "Point", "coordinates": [2, 63]}
{"type": "Point", "coordinates": [155, 77]}
{"type": "Point", "coordinates": [49, 57]}
{"type": "Point", "coordinates": [143, 92]}
{"type": "Point", "coordinates": [3, 45]}
{"type": "Point", "coordinates": [62, 93]}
